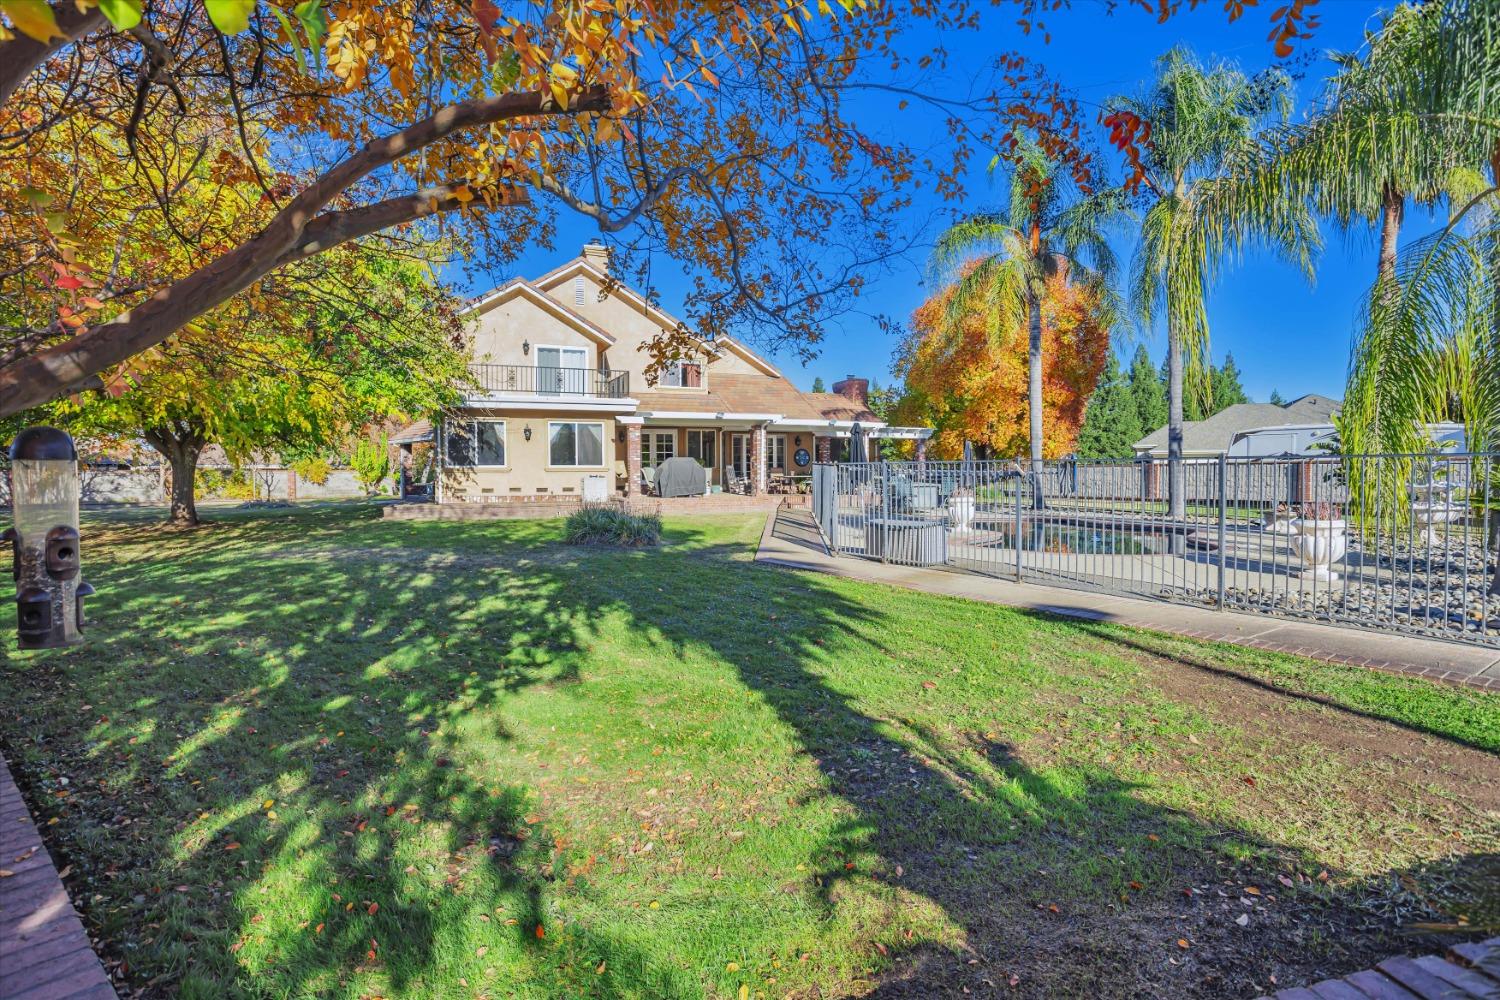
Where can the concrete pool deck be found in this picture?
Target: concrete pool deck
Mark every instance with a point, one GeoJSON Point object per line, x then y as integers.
{"type": "Point", "coordinates": [791, 539]}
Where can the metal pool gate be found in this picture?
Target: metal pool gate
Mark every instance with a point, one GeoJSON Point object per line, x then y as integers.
{"type": "Point", "coordinates": [1405, 543]}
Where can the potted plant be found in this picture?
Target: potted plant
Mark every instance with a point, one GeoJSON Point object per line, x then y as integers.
{"type": "Point", "coordinates": [1320, 539]}
{"type": "Point", "coordinates": [961, 509]}
{"type": "Point", "coordinates": [1278, 519]}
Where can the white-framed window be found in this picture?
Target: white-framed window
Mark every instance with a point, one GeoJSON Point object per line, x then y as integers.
{"type": "Point", "coordinates": [476, 443]}
{"type": "Point", "coordinates": [702, 445]}
{"type": "Point", "coordinates": [657, 447]}
{"type": "Point", "coordinates": [683, 375]}
{"type": "Point", "coordinates": [776, 451]}
{"type": "Point", "coordinates": [575, 443]}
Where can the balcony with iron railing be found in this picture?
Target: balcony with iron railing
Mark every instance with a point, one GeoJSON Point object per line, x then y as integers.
{"type": "Point", "coordinates": [532, 380]}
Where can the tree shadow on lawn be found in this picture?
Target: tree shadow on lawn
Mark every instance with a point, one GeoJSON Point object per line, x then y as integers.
{"type": "Point", "coordinates": [340, 690]}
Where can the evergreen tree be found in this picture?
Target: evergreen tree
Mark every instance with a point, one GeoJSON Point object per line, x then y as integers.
{"type": "Point", "coordinates": [1148, 392]}
{"type": "Point", "coordinates": [818, 384]}
{"type": "Point", "coordinates": [1111, 423]}
{"type": "Point", "coordinates": [1226, 385]}
{"type": "Point", "coordinates": [1276, 398]}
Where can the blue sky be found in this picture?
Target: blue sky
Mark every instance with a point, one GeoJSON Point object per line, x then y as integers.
{"type": "Point", "coordinates": [1284, 333]}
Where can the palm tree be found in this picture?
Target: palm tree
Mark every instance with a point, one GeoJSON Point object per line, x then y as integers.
{"type": "Point", "coordinates": [1386, 131]}
{"type": "Point", "coordinates": [1204, 126]}
{"type": "Point", "coordinates": [999, 262]}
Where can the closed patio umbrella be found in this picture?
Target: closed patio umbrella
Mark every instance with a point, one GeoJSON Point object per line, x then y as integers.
{"type": "Point", "coordinates": [857, 450]}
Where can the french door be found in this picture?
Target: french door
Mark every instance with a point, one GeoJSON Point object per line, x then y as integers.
{"type": "Point", "coordinates": [739, 455]}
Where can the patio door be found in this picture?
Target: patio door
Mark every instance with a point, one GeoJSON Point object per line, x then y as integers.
{"type": "Point", "coordinates": [561, 369]}
{"type": "Point", "coordinates": [739, 455]}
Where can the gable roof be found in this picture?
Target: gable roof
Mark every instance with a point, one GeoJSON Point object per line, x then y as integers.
{"type": "Point", "coordinates": [664, 319]}
{"type": "Point", "coordinates": [1215, 433]}
{"type": "Point", "coordinates": [525, 289]}
{"type": "Point", "coordinates": [837, 406]}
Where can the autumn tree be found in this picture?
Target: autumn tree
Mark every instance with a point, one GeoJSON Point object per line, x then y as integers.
{"type": "Point", "coordinates": [999, 262]}
{"type": "Point", "coordinates": [677, 128]}
{"type": "Point", "coordinates": [365, 337]}
{"type": "Point", "coordinates": [971, 385]}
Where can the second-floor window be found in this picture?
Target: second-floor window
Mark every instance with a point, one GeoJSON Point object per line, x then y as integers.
{"type": "Point", "coordinates": [562, 369]}
{"type": "Point", "coordinates": [683, 375]}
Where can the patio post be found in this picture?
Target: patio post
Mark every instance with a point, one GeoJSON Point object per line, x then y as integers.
{"type": "Point", "coordinates": [758, 459]}
{"type": "Point", "coordinates": [632, 459]}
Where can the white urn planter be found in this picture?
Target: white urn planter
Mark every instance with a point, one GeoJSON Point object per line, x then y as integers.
{"type": "Point", "coordinates": [1319, 543]}
{"type": "Point", "coordinates": [960, 513]}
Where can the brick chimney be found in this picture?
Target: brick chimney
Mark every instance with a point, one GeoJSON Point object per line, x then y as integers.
{"type": "Point", "coordinates": [597, 254]}
{"type": "Point", "coordinates": [852, 387]}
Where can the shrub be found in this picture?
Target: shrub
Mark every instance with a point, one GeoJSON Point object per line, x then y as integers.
{"type": "Point", "coordinates": [234, 484]}
{"type": "Point", "coordinates": [612, 526]}
{"type": "Point", "coordinates": [314, 470]}
{"type": "Point", "coordinates": [371, 462]}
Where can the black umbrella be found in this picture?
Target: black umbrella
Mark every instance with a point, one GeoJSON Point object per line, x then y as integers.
{"type": "Point", "coordinates": [857, 450]}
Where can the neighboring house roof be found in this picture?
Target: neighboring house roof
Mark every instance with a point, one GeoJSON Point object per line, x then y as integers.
{"type": "Point", "coordinates": [525, 289]}
{"type": "Point", "coordinates": [836, 406]}
{"type": "Point", "coordinates": [1215, 434]}
{"type": "Point", "coordinates": [412, 433]}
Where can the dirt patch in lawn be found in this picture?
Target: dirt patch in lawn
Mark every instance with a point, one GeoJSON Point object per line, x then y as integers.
{"type": "Point", "coordinates": [1412, 760]}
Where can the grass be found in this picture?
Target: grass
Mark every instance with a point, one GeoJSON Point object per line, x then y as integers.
{"type": "Point", "coordinates": [313, 753]}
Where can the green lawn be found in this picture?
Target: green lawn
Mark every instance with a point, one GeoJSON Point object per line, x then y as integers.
{"type": "Point", "coordinates": [312, 753]}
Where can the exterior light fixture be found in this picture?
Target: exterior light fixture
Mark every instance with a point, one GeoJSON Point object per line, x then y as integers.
{"type": "Point", "coordinates": [526, 432]}
{"type": "Point", "coordinates": [799, 440]}
{"type": "Point", "coordinates": [525, 347]}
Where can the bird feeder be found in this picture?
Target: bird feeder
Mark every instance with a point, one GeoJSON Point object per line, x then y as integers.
{"type": "Point", "coordinates": [44, 539]}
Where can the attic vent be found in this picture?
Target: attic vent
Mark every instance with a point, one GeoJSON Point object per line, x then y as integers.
{"type": "Point", "coordinates": [578, 290]}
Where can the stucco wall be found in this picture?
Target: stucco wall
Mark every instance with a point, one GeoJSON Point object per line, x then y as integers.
{"type": "Point", "coordinates": [497, 335]}
{"type": "Point", "coordinates": [527, 470]}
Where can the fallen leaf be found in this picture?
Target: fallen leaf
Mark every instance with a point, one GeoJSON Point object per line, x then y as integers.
{"type": "Point", "coordinates": [268, 803]}
{"type": "Point", "coordinates": [599, 969]}
{"type": "Point", "coordinates": [372, 908]}
{"type": "Point", "coordinates": [233, 845]}
{"type": "Point", "coordinates": [929, 685]}
{"type": "Point", "coordinates": [732, 967]}
{"type": "Point", "coordinates": [1251, 890]}
{"type": "Point", "coordinates": [1182, 942]}
{"type": "Point", "coordinates": [6, 873]}
{"type": "Point", "coordinates": [318, 929]}
{"type": "Point", "coordinates": [481, 951]}
{"type": "Point", "coordinates": [540, 931]}
{"type": "Point", "coordinates": [1243, 919]}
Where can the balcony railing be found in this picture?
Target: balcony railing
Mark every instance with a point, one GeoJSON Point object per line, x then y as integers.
{"type": "Point", "coordinates": [538, 381]}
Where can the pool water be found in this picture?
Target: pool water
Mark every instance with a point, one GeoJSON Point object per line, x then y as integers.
{"type": "Point", "coordinates": [1069, 539]}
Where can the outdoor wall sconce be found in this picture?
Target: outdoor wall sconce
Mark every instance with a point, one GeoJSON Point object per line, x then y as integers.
{"type": "Point", "coordinates": [526, 432]}
{"type": "Point", "coordinates": [44, 539]}
{"type": "Point", "coordinates": [799, 440]}
{"type": "Point", "coordinates": [525, 347]}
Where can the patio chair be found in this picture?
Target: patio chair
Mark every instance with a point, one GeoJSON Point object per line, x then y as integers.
{"type": "Point", "coordinates": [648, 480]}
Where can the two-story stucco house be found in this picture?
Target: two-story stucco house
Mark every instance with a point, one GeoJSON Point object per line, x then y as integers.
{"type": "Point", "coordinates": [563, 407]}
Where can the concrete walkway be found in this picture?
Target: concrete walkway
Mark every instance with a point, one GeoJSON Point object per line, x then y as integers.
{"type": "Point", "coordinates": [791, 539]}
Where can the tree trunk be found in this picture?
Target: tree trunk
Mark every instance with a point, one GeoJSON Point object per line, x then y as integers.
{"type": "Point", "coordinates": [1392, 209]}
{"type": "Point", "coordinates": [180, 446]}
{"type": "Point", "coordinates": [1176, 488]}
{"type": "Point", "coordinates": [1034, 378]}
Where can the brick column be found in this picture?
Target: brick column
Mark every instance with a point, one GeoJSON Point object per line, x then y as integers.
{"type": "Point", "coordinates": [758, 460]}
{"type": "Point", "coordinates": [824, 448]}
{"type": "Point", "coordinates": [632, 460]}
{"type": "Point", "coordinates": [921, 449]}
{"type": "Point", "coordinates": [291, 484]}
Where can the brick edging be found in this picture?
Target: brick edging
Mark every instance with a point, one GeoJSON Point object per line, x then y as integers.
{"type": "Point", "coordinates": [45, 953]}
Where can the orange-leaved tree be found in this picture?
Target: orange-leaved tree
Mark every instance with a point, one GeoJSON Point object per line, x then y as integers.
{"type": "Point", "coordinates": [720, 134]}
{"type": "Point", "coordinates": [972, 385]}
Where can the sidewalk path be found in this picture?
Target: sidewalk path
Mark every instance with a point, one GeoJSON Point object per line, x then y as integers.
{"type": "Point", "coordinates": [791, 539]}
{"type": "Point", "coordinates": [44, 952]}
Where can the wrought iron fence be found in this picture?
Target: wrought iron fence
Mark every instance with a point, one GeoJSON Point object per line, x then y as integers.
{"type": "Point", "coordinates": [542, 380]}
{"type": "Point", "coordinates": [1406, 543]}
